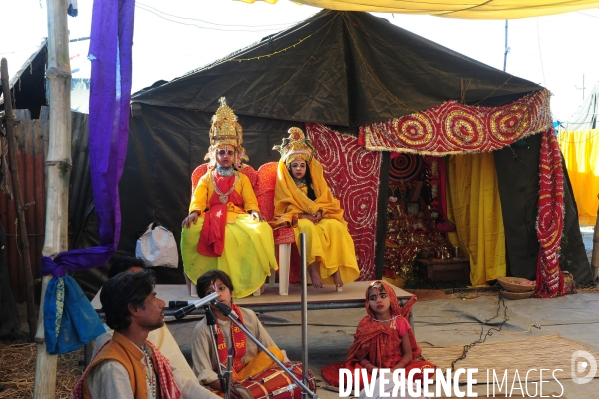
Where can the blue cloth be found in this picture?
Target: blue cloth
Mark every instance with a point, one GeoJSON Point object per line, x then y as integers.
{"type": "Point", "coordinates": [70, 320]}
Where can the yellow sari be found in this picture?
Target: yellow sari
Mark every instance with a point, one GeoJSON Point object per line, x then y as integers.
{"type": "Point", "coordinates": [328, 242]}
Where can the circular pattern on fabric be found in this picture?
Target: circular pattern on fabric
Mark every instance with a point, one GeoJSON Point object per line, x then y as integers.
{"type": "Point", "coordinates": [352, 174]}
{"type": "Point", "coordinates": [510, 124]}
{"type": "Point", "coordinates": [405, 167]}
{"type": "Point", "coordinates": [459, 128]}
{"type": "Point", "coordinates": [414, 130]}
{"type": "Point", "coordinates": [463, 129]}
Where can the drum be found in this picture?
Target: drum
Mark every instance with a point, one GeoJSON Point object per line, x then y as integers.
{"type": "Point", "coordinates": [275, 383]}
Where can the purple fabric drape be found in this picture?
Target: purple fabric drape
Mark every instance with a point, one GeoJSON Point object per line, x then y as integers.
{"type": "Point", "coordinates": [110, 94]}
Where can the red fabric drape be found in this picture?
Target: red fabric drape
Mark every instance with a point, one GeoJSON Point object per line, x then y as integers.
{"type": "Point", "coordinates": [352, 174]}
{"type": "Point", "coordinates": [212, 236]}
{"type": "Point", "coordinates": [550, 220]}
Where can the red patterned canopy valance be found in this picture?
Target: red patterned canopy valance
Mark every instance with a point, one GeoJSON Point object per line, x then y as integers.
{"type": "Point", "coordinates": [454, 128]}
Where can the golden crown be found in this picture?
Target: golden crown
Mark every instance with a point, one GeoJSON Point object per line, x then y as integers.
{"type": "Point", "coordinates": [295, 147]}
{"type": "Point", "coordinates": [225, 130]}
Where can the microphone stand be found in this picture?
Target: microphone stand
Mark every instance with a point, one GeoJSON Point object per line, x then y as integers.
{"type": "Point", "coordinates": [228, 312]}
{"type": "Point", "coordinates": [226, 376]}
{"type": "Point", "coordinates": [211, 322]}
{"type": "Point", "coordinates": [229, 376]}
{"type": "Point", "coordinates": [304, 297]}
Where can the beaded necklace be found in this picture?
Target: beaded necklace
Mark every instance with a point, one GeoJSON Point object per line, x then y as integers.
{"type": "Point", "coordinates": [224, 198]}
{"type": "Point", "coordinates": [382, 321]}
{"type": "Point", "coordinates": [226, 172]}
{"type": "Point", "coordinates": [300, 183]}
{"type": "Point", "coordinates": [150, 375]}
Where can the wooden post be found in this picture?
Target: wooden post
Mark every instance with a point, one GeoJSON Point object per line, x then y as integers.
{"type": "Point", "coordinates": [58, 171]}
{"type": "Point", "coordinates": [19, 208]}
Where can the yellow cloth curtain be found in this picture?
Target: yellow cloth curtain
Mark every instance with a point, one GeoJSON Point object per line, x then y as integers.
{"type": "Point", "coordinates": [581, 155]}
{"type": "Point", "coordinates": [473, 202]}
{"type": "Point", "coordinates": [465, 9]}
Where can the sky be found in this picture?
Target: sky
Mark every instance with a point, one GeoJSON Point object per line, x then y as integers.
{"type": "Point", "coordinates": [171, 38]}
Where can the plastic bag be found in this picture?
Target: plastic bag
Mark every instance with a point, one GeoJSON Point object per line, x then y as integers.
{"type": "Point", "coordinates": [157, 247]}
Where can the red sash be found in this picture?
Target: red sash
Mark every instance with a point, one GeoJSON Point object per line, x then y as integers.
{"type": "Point", "coordinates": [238, 340]}
{"type": "Point", "coordinates": [212, 236]}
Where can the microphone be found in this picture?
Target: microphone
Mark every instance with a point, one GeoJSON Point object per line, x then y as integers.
{"type": "Point", "coordinates": [180, 313]}
{"type": "Point", "coordinates": [224, 309]}
{"type": "Point", "coordinates": [179, 304]}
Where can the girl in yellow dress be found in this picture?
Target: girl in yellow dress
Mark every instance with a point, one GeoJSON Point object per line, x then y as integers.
{"type": "Point", "coordinates": [224, 229]}
{"type": "Point", "coordinates": [304, 201]}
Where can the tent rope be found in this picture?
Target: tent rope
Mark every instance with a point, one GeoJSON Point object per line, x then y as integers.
{"type": "Point", "coordinates": [312, 57]}
{"type": "Point", "coordinates": [278, 51]}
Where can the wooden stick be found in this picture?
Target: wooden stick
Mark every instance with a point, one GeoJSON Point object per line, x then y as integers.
{"type": "Point", "coordinates": [16, 188]}
{"type": "Point", "coordinates": [58, 171]}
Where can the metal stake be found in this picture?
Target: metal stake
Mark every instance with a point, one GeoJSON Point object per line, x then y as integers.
{"type": "Point", "coordinates": [304, 298]}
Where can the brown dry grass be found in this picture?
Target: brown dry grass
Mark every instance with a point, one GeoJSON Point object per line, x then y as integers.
{"type": "Point", "coordinates": [17, 371]}
{"type": "Point", "coordinates": [475, 294]}
{"type": "Point", "coordinates": [588, 290]}
{"type": "Point", "coordinates": [468, 295]}
{"type": "Point", "coordinates": [427, 295]}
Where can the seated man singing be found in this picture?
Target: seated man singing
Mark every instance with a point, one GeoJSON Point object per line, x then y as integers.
{"type": "Point", "coordinates": [129, 366]}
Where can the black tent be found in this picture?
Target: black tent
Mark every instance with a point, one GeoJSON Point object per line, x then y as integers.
{"type": "Point", "coordinates": [28, 85]}
{"type": "Point", "coordinates": [341, 69]}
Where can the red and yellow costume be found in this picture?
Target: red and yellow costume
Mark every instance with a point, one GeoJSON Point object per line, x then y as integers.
{"type": "Point", "coordinates": [328, 242]}
{"type": "Point", "coordinates": [225, 237]}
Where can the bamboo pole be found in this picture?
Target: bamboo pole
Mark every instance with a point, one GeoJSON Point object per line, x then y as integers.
{"type": "Point", "coordinates": [595, 253]}
{"type": "Point", "coordinates": [19, 207]}
{"type": "Point", "coordinates": [58, 171]}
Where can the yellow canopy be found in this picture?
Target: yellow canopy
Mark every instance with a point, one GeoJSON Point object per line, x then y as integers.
{"type": "Point", "coordinates": [465, 9]}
